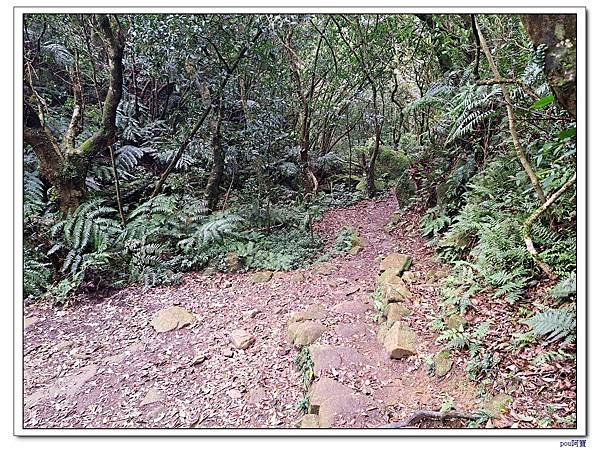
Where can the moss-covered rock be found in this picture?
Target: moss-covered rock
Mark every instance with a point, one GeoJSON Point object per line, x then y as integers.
{"type": "Point", "coordinates": [397, 311]}
{"type": "Point", "coordinates": [382, 332]}
{"type": "Point", "coordinates": [396, 261]}
{"type": "Point", "coordinates": [380, 185]}
{"type": "Point", "coordinates": [297, 277]}
{"type": "Point", "coordinates": [305, 333]}
{"type": "Point", "coordinates": [390, 162]}
{"type": "Point", "coordinates": [412, 277]}
{"type": "Point", "coordinates": [233, 262]}
{"type": "Point", "coordinates": [442, 363]}
{"type": "Point", "coordinates": [498, 404]}
{"type": "Point", "coordinates": [395, 293]}
{"type": "Point", "coordinates": [356, 242]}
{"type": "Point", "coordinates": [392, 287]}
{"type": "Point", "coordinates": [262, 277]}
{"type": "Point", "coordinates": [404, 189]}
{"type": "Point", "coordinates": [455, 322]}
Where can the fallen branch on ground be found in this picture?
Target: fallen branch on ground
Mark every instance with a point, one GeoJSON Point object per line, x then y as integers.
{"type": "Point", "coordinates": [437, 415]}
{"type": "Point", "coordinates": [529, 222]}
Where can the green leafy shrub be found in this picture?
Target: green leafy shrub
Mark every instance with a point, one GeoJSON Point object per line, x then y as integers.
{"type": "Point", "coordinates": [305, 366]}
{"type": "Point", "coordinates": [458, 288]}
{"type": "Point", "coordinates": [345, 240]}
{"type": "Point", "coordinates": [279, 250]}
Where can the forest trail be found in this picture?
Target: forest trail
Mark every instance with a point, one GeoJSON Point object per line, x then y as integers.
{"type": "Point", "coordinates": [100, 363]}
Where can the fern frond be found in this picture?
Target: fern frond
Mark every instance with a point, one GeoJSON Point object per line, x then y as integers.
{"type": "Point", "coordinates": [554, 324]}
{"type": "Point", "coordinates": [565, 288]}
{"type": "Point", "coordinates": [33, 194]}
{"type": "Point", "coordinates": [128, 157]}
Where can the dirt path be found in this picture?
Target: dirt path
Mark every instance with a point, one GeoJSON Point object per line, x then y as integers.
{"type": "Point", "coordinates": [100, 363]}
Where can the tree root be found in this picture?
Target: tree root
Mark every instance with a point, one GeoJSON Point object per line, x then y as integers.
{"type": "Point", "coordinates": [425, 414]}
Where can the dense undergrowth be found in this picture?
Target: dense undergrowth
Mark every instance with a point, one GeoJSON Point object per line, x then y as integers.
{"type": "Point", "coordinates": [165, 237]}
{"type": "Point", "coordinates": [475, 217]}
{"type": "Point", "coordinates": [233, 134]}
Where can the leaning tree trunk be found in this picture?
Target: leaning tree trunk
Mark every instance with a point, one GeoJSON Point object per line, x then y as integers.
{"type": "Point", "coordinates": [559, 33]}
{"type": "Point", "coordinates": [218, 165]}
{"type": "Point", "coordinates": [66, 168]}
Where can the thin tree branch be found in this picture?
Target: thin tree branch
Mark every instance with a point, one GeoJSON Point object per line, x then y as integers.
{"type": "Point", "coordinates": [533, 217]}
{"type": "Point", "coordinates": [177, 156]}
{"type": "Point", "coordinates": [511, 119]}
{"type": "Point", "coordinates": [520, 83]}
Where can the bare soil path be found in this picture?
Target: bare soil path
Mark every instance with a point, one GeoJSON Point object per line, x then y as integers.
{"type": "Point", "coordinates": [101, 364]}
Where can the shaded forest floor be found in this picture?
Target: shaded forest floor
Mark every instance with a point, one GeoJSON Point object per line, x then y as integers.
{"type": "Point", "coordinates": [99, 363]}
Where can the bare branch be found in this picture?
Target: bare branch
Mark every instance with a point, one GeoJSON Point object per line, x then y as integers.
{"type": "Point", "coordinates": [520, 83]}
{"type": "Point", "coordinates": [533, 217]}
{"type": "Point", "coordinates": [511, 118]}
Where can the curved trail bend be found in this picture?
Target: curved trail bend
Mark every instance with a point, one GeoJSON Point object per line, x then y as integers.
{"type": "Point", "coordinates": [101, 364]}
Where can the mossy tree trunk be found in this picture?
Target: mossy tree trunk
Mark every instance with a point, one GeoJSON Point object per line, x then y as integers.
{"type": "Point", "coordinates": [215, 178]}
{"type": "Point", "coordinates": [66, 166]}
{"type": "Point", "coordinates": [370, 179]}
{"type": "Point", "coordinates": [218, 164]}
{"type": "Point", "coordinates": [559, 33]}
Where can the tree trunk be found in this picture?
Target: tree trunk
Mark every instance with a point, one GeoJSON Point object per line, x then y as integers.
{"type": "Point", "coordinates": [214, 181]}
{"type": "Point", "coordinates": [71, 192]}
{"type": "Point", "coordinates": [370, 181]}
{"type": "Point", "coordinates": [304, 158]}
{"type": "Point", "coordinates": [66, 168]}
{"type": "Point", "coordinates": [559, 33]}
{"type": "Point", "coordinates": [303, 118]}
{"type": "Point", "coordinates": [218, 165]}
{"type": "Point", "coordinates": [443, 59]}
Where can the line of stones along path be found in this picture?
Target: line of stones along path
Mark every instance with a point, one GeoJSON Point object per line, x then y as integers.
{"type": "Point", "coordinates": [216, 350]}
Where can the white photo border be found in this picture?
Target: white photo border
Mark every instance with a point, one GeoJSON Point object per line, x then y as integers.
{"type": "Point", "coordinates": [325, 8]}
